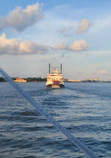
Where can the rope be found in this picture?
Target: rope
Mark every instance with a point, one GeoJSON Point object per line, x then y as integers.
{"type": "Point", "coordinates": [44, 113]}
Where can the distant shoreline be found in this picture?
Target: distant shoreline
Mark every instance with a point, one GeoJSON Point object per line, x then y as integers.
{"type": "Point", "coordinates": [39, 79]}
{"type": "Point", "coordinates": [28, 79]}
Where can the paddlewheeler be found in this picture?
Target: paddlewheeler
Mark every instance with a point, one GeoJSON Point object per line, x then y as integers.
{"type": "Point", "coordinates": [55, 78]}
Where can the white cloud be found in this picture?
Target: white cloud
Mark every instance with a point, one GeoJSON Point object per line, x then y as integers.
{"type": "Point", "coordinates": [12, 46]}
{"type": "Point", "coordinates": [79, 45]}
{"type": "Point", "coordinates": [20, 19]}
{"type": "Point", "coordinates": [84, 25]}
{"type": "Point", "coordinates": [76, 46]}
{"type": "Point", "coordinates": [102, 72]}
{"type": "Point", "coordinates": [61, 46]}
{"type": "Point", "coordinates": [31, 47]}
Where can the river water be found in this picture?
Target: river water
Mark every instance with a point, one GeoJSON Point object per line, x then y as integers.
{"type": "Point", "coordinates": [84, 109]}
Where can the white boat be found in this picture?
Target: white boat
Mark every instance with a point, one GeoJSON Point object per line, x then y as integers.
{"type": "Point", "coordinates": [55, 79]}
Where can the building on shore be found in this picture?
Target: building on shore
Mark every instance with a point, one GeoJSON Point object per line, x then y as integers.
{"type": "Point", "coordinates": [74, 81]}
{"type": "Point", "coordinates": [20, 80]}
{"type": "Point", "coordinates": [92, 80]}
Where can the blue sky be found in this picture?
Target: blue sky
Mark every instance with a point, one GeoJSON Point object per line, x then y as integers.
{"type": "Point", "coordinates": [74, 33]}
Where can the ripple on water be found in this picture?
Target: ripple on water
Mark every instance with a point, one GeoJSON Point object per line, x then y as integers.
{"type": "Point", "coordinates": [84, 109]}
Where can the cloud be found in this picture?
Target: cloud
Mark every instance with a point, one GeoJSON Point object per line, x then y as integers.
{"type": "Point", "coordinates": [61, 46]}
{"type": "Point", "coordinates": [14, 47]}
{"type": "Point", "coordinates": [83, 25]}
{"type": "Point", "coordinates": [20, 19]}
{"type": "Point", "coordinates": [65, 29]}
{"type": "Point", "coordinates": [10, 46]}
{"type": "Point", "coordinates": [2, 23]}
{"type": "Point", "coordinates": [102, 72]}
{"type": "Point", "coordinates": [31, 47]}
{"type": "Point", "coordinates": [76, 46]}
{"type": "Point", "coordinates": [79, 45]}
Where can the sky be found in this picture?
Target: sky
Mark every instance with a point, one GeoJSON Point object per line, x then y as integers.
{"type": "Point", "coordinates": [74, 33]}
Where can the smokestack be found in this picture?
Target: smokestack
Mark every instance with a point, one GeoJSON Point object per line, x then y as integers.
{"type": "Point", "coordinates": [61, 68]}
{"type": "Point", "coordinates": [49, 68]}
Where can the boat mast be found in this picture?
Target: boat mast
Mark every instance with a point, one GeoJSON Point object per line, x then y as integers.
{"type": "Point", "coordinates": [49, 68]}
{"type": "Point", "coordinates": [61, 68]}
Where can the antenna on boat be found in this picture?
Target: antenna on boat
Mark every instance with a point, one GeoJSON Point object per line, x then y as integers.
{"type": "Point", "coordinates": [61, 68]}
{"type": "Point", "coordinates": [49, 68]}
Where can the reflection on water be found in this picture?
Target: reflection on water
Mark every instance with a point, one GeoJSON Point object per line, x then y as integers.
{"type": "Point", "coordinates": [83, 108]}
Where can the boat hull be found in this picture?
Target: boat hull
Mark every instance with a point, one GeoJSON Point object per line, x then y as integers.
{"type": "Point", "coordinates": [55, 86]}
